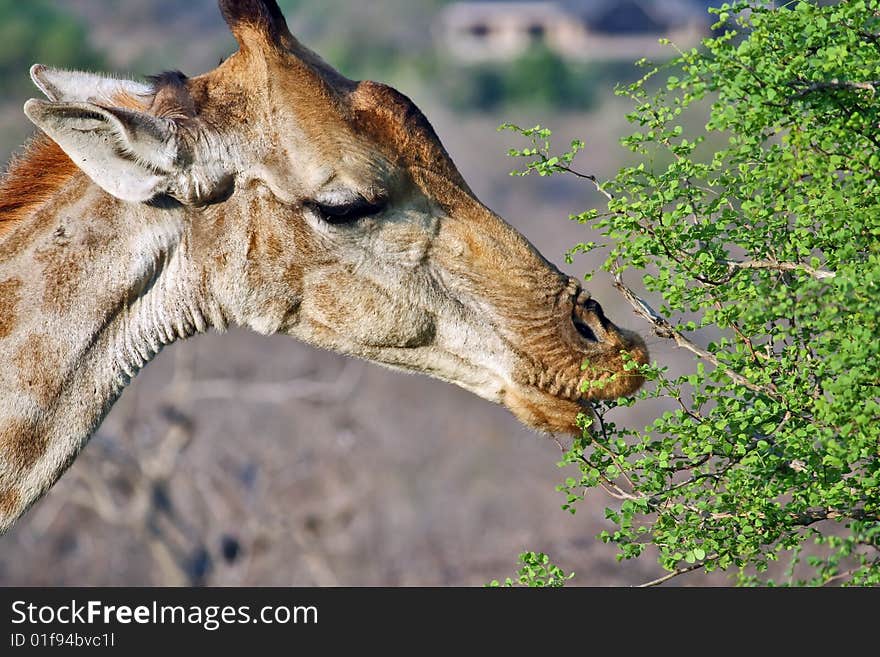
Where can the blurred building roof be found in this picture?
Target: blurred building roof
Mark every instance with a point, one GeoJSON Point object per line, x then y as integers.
{"type": "Point", "coordinates": [629, 16]}
{"type": "Point", "coordinates": [582, 29]}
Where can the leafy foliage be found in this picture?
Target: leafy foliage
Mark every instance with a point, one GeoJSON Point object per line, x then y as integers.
{"type": "Point", "coordinates": [536, 571]}
{"type": "Point", "coordinates": [758, 236]}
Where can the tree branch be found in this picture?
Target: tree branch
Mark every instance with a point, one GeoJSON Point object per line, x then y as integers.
{"type": "Point", "coordinates": [780, 266]}
{"type": "Point", "coordinates": [843, 575]}
{"type": "Point", "coordinates": [836, 85]}
{"type": "Point", "coordinates": [676, 573]}
{"type": "Point", "coordinates": [664, 329]}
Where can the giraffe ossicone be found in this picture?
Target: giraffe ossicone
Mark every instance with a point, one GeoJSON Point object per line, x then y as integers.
{"type": "Point", "coordinates": [276, 194]}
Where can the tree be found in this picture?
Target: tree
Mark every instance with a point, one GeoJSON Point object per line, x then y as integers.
{"type": "Point", "coordinates": [757, 234]}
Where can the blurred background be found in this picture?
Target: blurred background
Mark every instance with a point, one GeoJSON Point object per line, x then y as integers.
{"type": "Point", "coordinates": [245, 460]}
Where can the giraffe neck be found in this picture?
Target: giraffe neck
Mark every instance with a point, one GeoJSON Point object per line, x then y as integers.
{"type": "Point", "coordinates": [91, 289]}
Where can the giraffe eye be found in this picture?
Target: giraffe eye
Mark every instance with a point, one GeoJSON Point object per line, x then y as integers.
{"type": "Point", "coordinates": [349, 211]}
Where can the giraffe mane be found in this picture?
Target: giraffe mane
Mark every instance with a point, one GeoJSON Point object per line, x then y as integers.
{"type": "Point", "coordinates": [31, 179]}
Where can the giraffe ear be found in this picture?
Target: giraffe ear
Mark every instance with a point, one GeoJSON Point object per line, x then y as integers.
{"type": "Point", "coordinates": [131, 155]}
{"type": "Point", "coordinates": [256, 23]}
{"type": "Point", "coordinates": [79, 87]}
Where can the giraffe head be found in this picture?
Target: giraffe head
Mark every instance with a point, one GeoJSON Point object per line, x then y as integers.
{"type": "Point", "coordinates": [327, 209]}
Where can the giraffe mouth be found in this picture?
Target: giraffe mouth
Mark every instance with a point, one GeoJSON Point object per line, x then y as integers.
{"type": "Point", "coordinates": [555, 389]}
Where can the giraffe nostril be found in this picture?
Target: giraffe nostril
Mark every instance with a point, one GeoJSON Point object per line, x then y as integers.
{"type": "Point", "coordinates": [584, 331]}
{"type": "Point", "coordinates": [591, 306]}
{"type": "Point", "coordinates": [589, 319]}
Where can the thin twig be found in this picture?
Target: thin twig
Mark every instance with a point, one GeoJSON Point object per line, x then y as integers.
{"type": "Point", "coordinates": [689, 412]}
{"type": "Point", "coordinates": [608, 451]}
{"type": "Point", "coordinates": [676, 573]}
{"type": "Point", "coordinates": [590, 177]}
{"type": "Point", "coordinates": [607, 485]}
{"type": "Point", "coordinates": [746, 340]}
{"type": "Point", "coordinates": [664, 329]}
{"type": "Point", "coordinates": [617, 492]}
{"type": "Point", "coordinates": [842, 575]}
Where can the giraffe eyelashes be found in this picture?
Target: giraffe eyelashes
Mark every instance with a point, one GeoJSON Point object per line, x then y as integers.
{"type": "Point", "coordinates": [349, 211]}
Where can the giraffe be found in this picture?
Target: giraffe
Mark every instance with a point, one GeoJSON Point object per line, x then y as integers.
{"type": "Point", "coordinates": [276, 194]}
